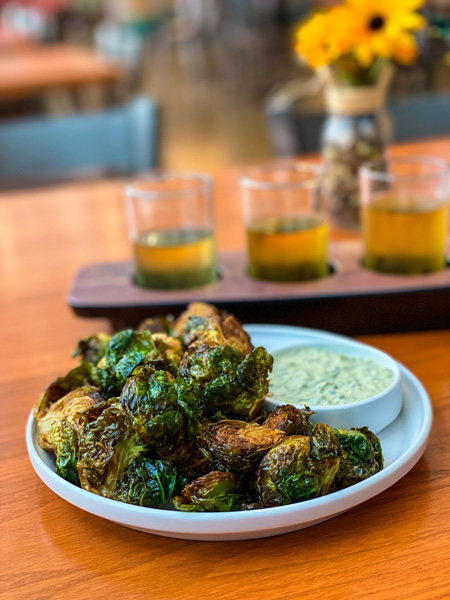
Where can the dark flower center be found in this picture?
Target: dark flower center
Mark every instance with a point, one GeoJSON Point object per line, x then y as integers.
{"type": "Point", "coordinates": [376, 23]}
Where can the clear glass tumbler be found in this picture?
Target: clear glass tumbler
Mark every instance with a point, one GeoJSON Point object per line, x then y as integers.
{"type": "Point", "coordinates": [405, 214]}
{"type": "Point", "coordinates": [171, 227]}
{"type": "Point", "coordinates": [286, 233]}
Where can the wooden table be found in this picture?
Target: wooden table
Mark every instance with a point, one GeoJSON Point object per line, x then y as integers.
{"type": "Point", "coordinates": [31, 71]}
{"type": "Point", "coordinates": [395, 546]}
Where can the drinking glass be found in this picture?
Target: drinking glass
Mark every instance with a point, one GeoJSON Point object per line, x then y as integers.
{"type": "Point", "coordinates": [171, 226]}
{"type": "Point", "coordinates": [286, 233]}
{"type": "Point", "coordinates": [405, 214]}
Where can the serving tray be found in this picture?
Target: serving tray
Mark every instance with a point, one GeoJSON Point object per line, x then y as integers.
{"type": "Point", "coordinates": [351, 300]}
{"type": "Point", "coordinates": [403, 442]}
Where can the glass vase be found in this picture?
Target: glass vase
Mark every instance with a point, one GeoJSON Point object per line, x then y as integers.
{"type": "Point", "coordinates": [349, 141]}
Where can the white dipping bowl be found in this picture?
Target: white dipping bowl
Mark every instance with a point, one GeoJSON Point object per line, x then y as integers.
{"type": "Point", "coordinates": [376, 412]}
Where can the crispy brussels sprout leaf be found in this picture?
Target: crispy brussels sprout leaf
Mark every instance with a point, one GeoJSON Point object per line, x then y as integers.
{"type": "Point", "coordinates": [203, 329]}
{"type": "Point", "coordinates": [72, 407]}
{"type": "Point", "coordinates": [238, 446]}
{"type": "Point", "coordinates": [236, 335]}
{"type": "Point", "coordinates": [204, 323]}
{"type": "Point", "coordinates": [284, 475]}
{"type": "Point", "coordinates": [214, 492]}
{"type": "Point", "coordinates": [195, 309]}
{"type": "Point", "coordinates": [126, 350]}
{"type": "Point", "coordinates": [106, 448]}
{"type": "Point", "coordinates": [327, 454]}
{"type": "Point", "coordinates": [167, 355]}
{"type": "Point", "coordinates": [362, 458]}
{"type": "Point", "coordinates": [299, 468]}
{"type": "Point", "coordinates": [146, 482]}
{"type": "Point", "coordinates": [233, 384]}
{"type": "Point", "coordinates": [64, 442]}
{"type": "Point", "coordinates": [93, 348]}
{"type": "Point", "coordinates": [76, 378]}
{"type": "Point", "coordinates": [163, 410]}
{"type": "Point", "coordinates": [290, 419]}
{"type": "Point", "coordinates": [158, 324]}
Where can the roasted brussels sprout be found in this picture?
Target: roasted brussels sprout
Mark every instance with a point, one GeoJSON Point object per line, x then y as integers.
{"type": "Point", "coordinates": [238, 446]}
{"type": "Point", "coordinates": [72, 407]}
{"type": "Point", "coordinates": [204, 323]}
{"type": "Point", "coordinates": [362, 458]}
{"type": "Point", "coordinates": [64, 441]}
{"type": "Point", "coordinates": [106, 448]}
{"type": "Point", "coordinates": [93, 348]}
{"type": "Point", "coordinates": [158, 324]}
{"type": "Point", "coordinates": [299, 468]}
{"type": "Point", "coordinates": [126, 350]}
{"type": "Point", "coordinates": [163, 410]}
{"type": "Point", "coordinates": [146, 482]}
{"type": "Point", "coordinates": [233, 384]}
{"type": "Point", "coordinates": [76, 378]}
{"type": "Point", "coordinates": [236, 335]}
{"type": "Point", "coordinates": [291, 420]}
{"type": "Point", "coordinates": [214, 492]}
{"type": "Point", "coordinates": [168, 354]}
{"type": "Point", "coordinates": [194, 309]}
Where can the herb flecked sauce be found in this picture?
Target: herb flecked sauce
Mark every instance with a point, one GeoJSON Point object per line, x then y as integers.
{"type": "Point", "coordinates": [317, 377]}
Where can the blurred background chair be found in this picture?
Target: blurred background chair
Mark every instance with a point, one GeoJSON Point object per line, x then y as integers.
{"type": "Point", "coordinates": [119, 141]}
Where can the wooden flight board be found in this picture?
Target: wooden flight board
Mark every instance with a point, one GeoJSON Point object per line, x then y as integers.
{"type": "Point", "coordinates": [351, 300]}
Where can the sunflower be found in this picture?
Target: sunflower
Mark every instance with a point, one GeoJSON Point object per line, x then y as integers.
{"type": "Point", "coordinates": [383, 28]}
{"type": "Point", "coordinates": [320, 40]}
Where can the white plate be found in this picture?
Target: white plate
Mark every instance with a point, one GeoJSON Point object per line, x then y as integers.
{"type": "Point", "coordinates": [403, 443]}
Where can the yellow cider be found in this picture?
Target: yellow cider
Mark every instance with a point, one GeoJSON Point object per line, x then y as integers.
{"type": "Point", "coordinates": [175, 259]}
{"type": "Point", "coordinates": [288, 249]}
{"type": "Point", "coordinates": [408, 240]}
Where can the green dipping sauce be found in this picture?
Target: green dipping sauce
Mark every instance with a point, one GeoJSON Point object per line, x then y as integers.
{"type": "Point", "coordinates": [313, 376]}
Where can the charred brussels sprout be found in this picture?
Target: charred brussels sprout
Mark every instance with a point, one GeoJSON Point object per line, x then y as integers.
{"type": "Point", "coordinates": [299, 468]}
{"type": "Point", "coordinates": [158, 324]}
{"type": "Point", "coordinates": [126, 350]}
{"type": "Point", "coordinates": [203, 329]}
{"type": "Point", "coordinates": [163, 410]}
{"type": "Point", "coordinates": [93, 348]}
{"type": "Point", "coordinates": [291, 420]}
{"type": "Point", "coordinates": [233, 384]}
{"type": "Point", "coordinates": [76, 378]}
{"type": "Point", "coordinates": [168, 353]}
{"type": "Point", "coordinates": [238, 446]}
{"type": "Point", "coordinates": [204, 323]}
{"type": "Point", "coordinates": [195, 309]}
{"type": "Point", "coordinates": [106, 448]}
{"type": "Point", "coordinates": [362, 458]}
{"type": "Point", "coordinates": [214, 492]}
{"type": "Point", "coordinates": [73, 407]}
{"type": "Point", "coordinates": [64, 441]}
{"type": "Point", "coordinates": [146, 483]}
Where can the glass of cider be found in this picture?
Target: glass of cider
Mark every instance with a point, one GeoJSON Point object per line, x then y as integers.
{"type": "Point", "coordinates": [405, 214]}
{"type": "Point", "coordinates": [171, 226]}
{"type": "Point", "coordinates": [286, 233]}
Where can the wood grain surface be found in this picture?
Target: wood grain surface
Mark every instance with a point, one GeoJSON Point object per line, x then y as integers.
{"type": "Point", "coordinates": [39, 68]}
{"type": "Point", "coordinates": [395, 546]}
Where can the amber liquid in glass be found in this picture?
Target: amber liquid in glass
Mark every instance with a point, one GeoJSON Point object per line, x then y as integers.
{"type": "Point", "coordinates": [408, 240]}
{"type": "Point", "coordinates": [175, 259]}
{"type": "Point", "coordinates": [288, 248]}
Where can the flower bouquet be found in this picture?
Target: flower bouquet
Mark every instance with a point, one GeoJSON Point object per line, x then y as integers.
{"type": "Point", "coordinates": [353, 47]}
